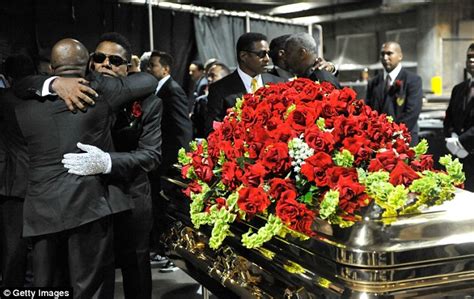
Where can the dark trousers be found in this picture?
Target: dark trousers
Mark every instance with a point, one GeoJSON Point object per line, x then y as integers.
{"type": "Point", "coordinates": [14, 248]}
{"type": "Point", "coordinates": [132, 248]}
{"type": "Point", "coordinates": [82, 258]}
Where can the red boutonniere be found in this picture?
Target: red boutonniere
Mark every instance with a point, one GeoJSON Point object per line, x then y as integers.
{"type": "Point", "coordinates": [136, 109]}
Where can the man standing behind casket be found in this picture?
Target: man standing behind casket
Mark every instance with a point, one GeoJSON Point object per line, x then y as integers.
{"type": "Point", "coordinates": [459, 122]}
{"type": "Point", "coordinates": [302, 59]}
{"type": "Point", "coordinates": [68, 216]}
{"type": "Point", "coordinates": [252, 57]}
{"type": "Point", "coordinates": [397, 92]}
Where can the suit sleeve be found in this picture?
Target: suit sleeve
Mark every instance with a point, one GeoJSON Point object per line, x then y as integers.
{"type": "Point", "coordinates": [448, 118]}
{"type": "Point", "coordinates": [148, 154]}
{"type": "Point", "coordinates": [214, 108]}
{"type": "Point", "coordinates": [370, 94]}
{"type": "Point", "coordinates": [29, 87]}
{"type": "Point", "coordinates": [120, 91]}
{"type": "Point", "coordinates": [414, 101]}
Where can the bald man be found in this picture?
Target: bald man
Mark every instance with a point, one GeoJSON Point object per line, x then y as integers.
{"type": "Point", "coordinates": [396, 92]}
{"type": "Point", "coordinates": [68, 216]}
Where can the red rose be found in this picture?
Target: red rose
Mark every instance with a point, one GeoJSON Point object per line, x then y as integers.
{"type": "Point", "coordinates": [320, 141]}
{"type": "Point", "coordinates": [387, 158]}
{"type": "Point", "coordinates": [221, 202]}
{"type": "Point", "coordinates": [278, 186]}
{"type": "Point", "coordinates": [193, 187]}
{"type": "Point", "coordinates": [295, 215]}
{"type": "Point", "coordinates": [254, 175]}
{"type": "Point", "coordinates": [402, 174]}
{"type": "Point", "coordinates": [283, 133]}
{"type": "Point", "coordinates": [231, 175]}
{"type": "Point", "coordinates": [203, 168]}
{"type": "Point", "coordinates": [275, 158]}
{"type": "Point", "coordinates": [253, 200]}
{"type": "Point", "coordinates": [227, 130]}
{"type": "Point", "coordinates": [425, 163]}
{"type": "Point", "coordinates": [337, 172]}
{"type": "Point", "coordinates": [315, 168]}
{"type": "Point", "coordinates": [352, 195]}
{"type": "Point", "coordinates": [300, 118]}
{"type": "Point", "coordinates": [136, 109]}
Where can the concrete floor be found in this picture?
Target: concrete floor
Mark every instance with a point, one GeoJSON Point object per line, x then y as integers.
{"type": "Point", "coordinates": [173, 285]}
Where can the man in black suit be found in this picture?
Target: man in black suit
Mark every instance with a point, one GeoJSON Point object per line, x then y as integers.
{"type": "Point", "coordinates": [459, 122]}
{"type": "Point", "coordinates": [177, 133]}
{"type": "Point", "coordinates": [397, 92]}
{"type": "Point", "coordinates": [302, 59]}
{"type": "Point", "coordinates": [68, 216]}
{"type": "Point", "coordinates": [252, 57]}
{"type": "Point", "coordinates": [277, 54]}
{"type": "Point", "coordinates": [13, 176]}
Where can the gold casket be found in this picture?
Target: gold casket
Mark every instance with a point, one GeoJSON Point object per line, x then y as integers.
{"type": "Point", "coordinates": [425, 255]}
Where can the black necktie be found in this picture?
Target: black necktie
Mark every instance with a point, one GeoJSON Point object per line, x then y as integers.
{"type": "Point", "coordinates": [387, 84]}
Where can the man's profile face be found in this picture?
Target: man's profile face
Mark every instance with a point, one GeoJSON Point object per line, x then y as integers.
{"type": "Point", "coordinates": [215, 74]}
{"type": "Point", "coordinates": [390, 55]}
{"type": "Point", "coordinates": [256, 58]}
{"type": "Point", "coordinates": [157, 69]}
{"type": "Point", "coordinates": [470, 62]}
{"type": "Point", "coordinates": [295, 59]}
{"type": "Point", "coordinates": [194, 72]}
{"type": "Point", "coordinates": [111, 65]}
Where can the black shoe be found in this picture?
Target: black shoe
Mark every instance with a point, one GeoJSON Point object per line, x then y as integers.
{"type": "Point", "coordinates": [159, 260]}
{"type": "Point", "coordinates": [168, 267]}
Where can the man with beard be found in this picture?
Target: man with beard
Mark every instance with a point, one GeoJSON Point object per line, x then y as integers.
{"type": "Point", "coordinates": [252, 57]}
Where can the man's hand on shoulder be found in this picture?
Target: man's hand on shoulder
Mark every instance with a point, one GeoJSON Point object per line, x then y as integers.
{"type": "Point", "coordinates": [74, 91]}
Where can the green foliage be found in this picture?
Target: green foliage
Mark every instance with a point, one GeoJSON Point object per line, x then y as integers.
{"type": "Point", "coordinates": [343, 158]}
{"type": "Point", "coordinates": [264, 234]}
{"type": "Point", "coordinates": [329, 204]}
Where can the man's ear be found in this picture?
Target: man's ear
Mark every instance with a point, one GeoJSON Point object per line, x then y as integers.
{"type": "Point", "coordinates": [242, 55]}
{"type": "Point", "coordinates": [167, 69]}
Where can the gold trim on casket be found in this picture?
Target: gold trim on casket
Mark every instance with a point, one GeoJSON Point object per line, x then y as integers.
{"type": "Point", "coordinates": [415, 255]}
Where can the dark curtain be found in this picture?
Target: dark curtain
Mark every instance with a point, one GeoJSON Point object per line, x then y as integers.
{"type": "Point", "coordinates": [216, 37]}
{"type": "Point", "coordinates": [174, 33]}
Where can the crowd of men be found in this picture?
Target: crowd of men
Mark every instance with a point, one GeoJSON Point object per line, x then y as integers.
{"type": "Point", "coordinates": [83, 149]}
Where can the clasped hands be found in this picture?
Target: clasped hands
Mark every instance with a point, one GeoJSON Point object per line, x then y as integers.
{"type": "Point", "coordinates": [455, 147]}
{"type": "Point", "coordinates": [93, 161]}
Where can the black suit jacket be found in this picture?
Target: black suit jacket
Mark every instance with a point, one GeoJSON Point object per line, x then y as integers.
{"type": "Point", "coordinates": [176, 126]}
{"type": "Point", "coordinates": [13, 156]}
{"type": "Point", "coordinates": [223, 94]}
{"type": "Point", "coordinates": [56, 200]}
{"type": "Point", "coordinates": [402, 101]}
{"type": "Point", "coordinates": [137, 143]}
{"type": "Point", "coordinates": [460, 120]}
{"type": "Point", "coordinates": [323, 76]}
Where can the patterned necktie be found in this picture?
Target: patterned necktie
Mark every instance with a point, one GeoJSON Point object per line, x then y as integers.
{"type": "Point", "coordinates": [254, 84]}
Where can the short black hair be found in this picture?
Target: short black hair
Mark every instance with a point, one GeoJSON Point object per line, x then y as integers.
{"type": "Point", "coordinates": [18, 66]}
{"type": "Point", "coordinates": [199, 64]}
{"type": "Point", "coordinates": [471, 47]}
{"type": "Point", "coordinates": [246, 41]}
{"type": "Point", "coordinates": [165, 58]}
{"type": "Point", "coordinates": [117, 38]}
{"type": "Point", "coordinates": [277, 44]}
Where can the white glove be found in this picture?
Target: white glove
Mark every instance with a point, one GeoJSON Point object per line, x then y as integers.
{"type": "Point", "coordinates": [455, 147]}
{"type": "Point", "coordinates": [93, 161]}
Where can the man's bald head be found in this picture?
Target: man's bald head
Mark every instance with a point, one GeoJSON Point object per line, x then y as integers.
{"type": "Point", "coordinates": [69, 57]}
{"type": "Point", "coordinates": [391, 55]}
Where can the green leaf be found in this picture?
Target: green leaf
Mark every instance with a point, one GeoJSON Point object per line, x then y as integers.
{"type": "Point", "coordinates": [329, 204]}
{"type": "Point", "coordinates": [344, 158]}
{"type": "Point", "coordinates": [421, 148]}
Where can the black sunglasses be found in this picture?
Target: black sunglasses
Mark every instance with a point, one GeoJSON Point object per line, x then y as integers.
{"type": "Point", "coordinates": [113, 59]}
{"type": "Point", "coordinates": [260, 54]}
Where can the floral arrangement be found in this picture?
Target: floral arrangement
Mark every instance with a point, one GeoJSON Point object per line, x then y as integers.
{"type": "Point", "coordinates": [295, 151]}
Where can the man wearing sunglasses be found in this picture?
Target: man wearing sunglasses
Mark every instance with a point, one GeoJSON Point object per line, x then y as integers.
{"type": "Point", "coordinates": [252, 57]}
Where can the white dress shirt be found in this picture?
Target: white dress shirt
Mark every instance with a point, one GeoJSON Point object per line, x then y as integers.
{"type": "Point", "coordinates": [248, 80]}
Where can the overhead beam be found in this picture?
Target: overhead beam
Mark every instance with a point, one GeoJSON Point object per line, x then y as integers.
{"type": "Point", "coordinates": [302, 5]}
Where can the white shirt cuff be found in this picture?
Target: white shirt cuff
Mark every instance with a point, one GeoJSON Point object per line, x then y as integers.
{"type": "Point", "coordinates": [45, 90]}
{"type": "Point", "coordinates": [109, 164]}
